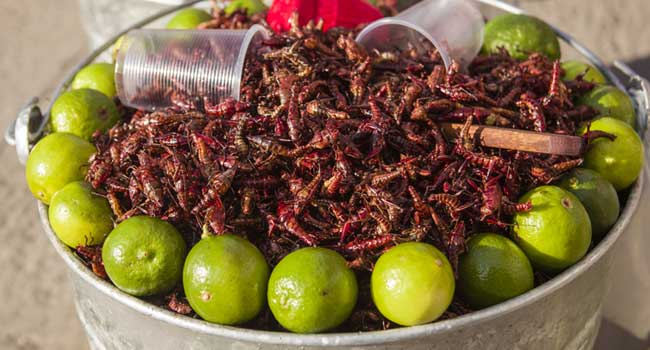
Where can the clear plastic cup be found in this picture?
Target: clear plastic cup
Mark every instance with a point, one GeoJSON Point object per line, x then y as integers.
{"type": "Point", "coordinates": [454, 27]}
{"type": "Point", "coordinates": [157, 69]}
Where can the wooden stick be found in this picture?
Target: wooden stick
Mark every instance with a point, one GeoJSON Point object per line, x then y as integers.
{"type": "Point", "coordinates": [520, 140]}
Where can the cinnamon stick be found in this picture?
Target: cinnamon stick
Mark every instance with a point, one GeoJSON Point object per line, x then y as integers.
{"type": "Point", "coordinates": [520, 140]}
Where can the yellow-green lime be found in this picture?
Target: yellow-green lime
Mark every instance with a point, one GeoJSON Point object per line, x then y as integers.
{"type": "Point", "coordinates": [612, 102]}
{"type": "Point", "coordinates": [520, 35]}
{"type": "Point", "coordinates": [412, 283]}
{"type": "Point", "coordinates": [144, 256]}
{"type": "Point", "coordinates": [618, 161]}
{"type": "Point", "coordinates": [556, 233]}
{"type": "Point", "coordinates": [597, 195]}
{"type": "Point", "coordinates": [574, 68]}
{"type": "Point", "coordinates": [116, 47]}
{"type": "Point", "coordinates": [55, 161]}
{"type": "Point", "coordinates": [225, 279]}
{"type": "Point", "coordinates": [312, 290]}
{"type": "Point", "coordinates": [189, 18]}
{"type": "Point", "coordinates": [494, 269]}
{"type": "Point", "coordinates": [96, 76]}
{"type": "Point", "coordinates": [78, 216]}
{"type": "Point", "coordinates": [82, 112]}
{"type": "Point", "coordinates": [251, 6]}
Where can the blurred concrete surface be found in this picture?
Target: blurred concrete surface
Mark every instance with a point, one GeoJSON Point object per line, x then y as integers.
{"type": "Point", "coordinates": [42, 39]}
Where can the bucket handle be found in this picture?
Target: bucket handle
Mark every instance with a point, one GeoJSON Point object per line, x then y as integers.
{"type": "Point", "coordinates": [637, 89]}
{"type": "Point", "coordinates": [26, 129]}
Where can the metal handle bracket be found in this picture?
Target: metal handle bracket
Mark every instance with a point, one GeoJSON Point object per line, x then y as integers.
{"type": "Point", "coordinates": [637, 88]}
{"type": "Point", "coordinates": [26, 129]}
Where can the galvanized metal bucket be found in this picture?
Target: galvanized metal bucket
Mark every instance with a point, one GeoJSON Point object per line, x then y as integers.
{"type": "Point", "coordinates": [563, 313]}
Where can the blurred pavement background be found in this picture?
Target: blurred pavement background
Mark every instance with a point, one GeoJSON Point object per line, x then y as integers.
{"type": "Point", "coordinates": [41, 40]}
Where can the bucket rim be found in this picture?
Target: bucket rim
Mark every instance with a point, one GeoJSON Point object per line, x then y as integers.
{"type": "Point", "coordinates": [350, 338]}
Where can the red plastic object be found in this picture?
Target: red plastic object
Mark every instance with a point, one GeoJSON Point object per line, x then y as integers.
{"type": "Point", "coordinates": [345, 13]}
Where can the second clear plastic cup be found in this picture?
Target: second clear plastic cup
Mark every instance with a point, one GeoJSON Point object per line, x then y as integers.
{"type": "Point", "coordinates": [454, 27]}
{"type": "Point", "coordinates": [157, 69]}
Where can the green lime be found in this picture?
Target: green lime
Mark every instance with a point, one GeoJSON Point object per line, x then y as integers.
{"type": "Point", "coordinates": [96, 76]}
{"type": "Point", "coordinates": [573, 68]}
{"type": "Point", "coordinates": [520, 35]}
{"type": "Point", "coordinates": [312, 290]}
{"type": "Point", "coordinates": [493, 270]}
{"type": "Point", "coordinates": [251, 6]}
{"type": "Point", "coordinates": [612, 102]}
{"type": "Point", "coordinates": [78, 216]}
{"type": "Point", "coordinates": [556, 233]}
{"type": "Point", "coordinates": [225, 279]}
{"type": "Point", "coordinates": [55, 161]}
{"type": "Point", "coordinates": [619, 161]}
{"type": "Point", "coordinates": [412, 283]}
{"type": "Point", "coordinates": [188, 19]}
{"type": "Point", "coordinates": [82, 112]}
{"type": "Point", "coordinates": [597, 196]}
{"type": "Point", "coordinates": [144, 256]}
